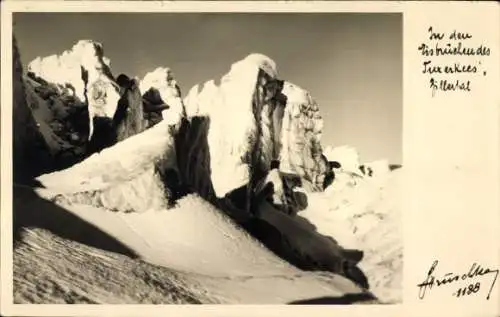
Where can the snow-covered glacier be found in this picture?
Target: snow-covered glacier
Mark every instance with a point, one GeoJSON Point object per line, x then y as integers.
{"type": "Point", "coordinates": [244, 151]}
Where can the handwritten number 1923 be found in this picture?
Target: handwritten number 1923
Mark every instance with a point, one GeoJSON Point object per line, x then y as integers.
{"type": "Point", "coordinates": [468, 290]}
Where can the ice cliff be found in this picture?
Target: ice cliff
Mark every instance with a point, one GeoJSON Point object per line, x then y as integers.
{"type": "Point", "coordinates": [246, 123]}
{"type": "Point", "coordinates": [300, 141]}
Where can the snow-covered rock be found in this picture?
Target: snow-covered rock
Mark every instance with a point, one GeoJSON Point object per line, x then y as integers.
{"type": "Point", "coordinates": [62, 120]}
{"type": "Point", "coordinates": [159, 86]}
{"type": "Point", "coordinates": [48, 114]}
{"type": "Point", "coordinates": [82, 72]}
{"type": "Point", "coordinates": [77, 104]}
{"type": "Point", "coordinates": [231, 132]}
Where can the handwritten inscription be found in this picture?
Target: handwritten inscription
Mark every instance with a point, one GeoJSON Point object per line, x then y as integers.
{"type": "Point", "coordinates": [471, 288]}
{"type": "Point", "coordinates": [452, 61]}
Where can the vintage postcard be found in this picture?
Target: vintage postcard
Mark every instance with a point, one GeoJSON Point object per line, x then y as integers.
{"type": "Point", "coordinates": [250, 158]}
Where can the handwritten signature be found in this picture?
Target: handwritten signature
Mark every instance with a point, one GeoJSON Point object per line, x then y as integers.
{"type": "Point", "coordinates": [476, 270]}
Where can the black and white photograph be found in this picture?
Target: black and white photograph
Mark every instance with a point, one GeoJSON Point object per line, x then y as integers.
{"type": "Point", "coordinates": [207, 158]}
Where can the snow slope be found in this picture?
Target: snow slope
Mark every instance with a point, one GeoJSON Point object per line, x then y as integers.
{"type": "Point", "coordinates": [193, 246]}
{"type": "Point", "coordinates": [50, 269]}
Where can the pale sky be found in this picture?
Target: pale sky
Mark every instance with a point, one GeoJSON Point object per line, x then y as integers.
{"type": "Point", "coordinates": [351, 63]}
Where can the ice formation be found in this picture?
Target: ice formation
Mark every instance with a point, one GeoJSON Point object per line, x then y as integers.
{"type": "Point", "coordinates": [244, 116]}
{"type": "Point", "coordinates": [302, 125]}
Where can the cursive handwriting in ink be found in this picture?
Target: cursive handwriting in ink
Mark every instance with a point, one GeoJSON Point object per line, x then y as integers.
{"type": "Point", "coordinates": [475, 271]}
{"type": "Point", "coordinates": [445, 85]}
{"type": "Point", "coordinates": [462, 70]}
{"type": "Point", "coordinates": [433, 35]}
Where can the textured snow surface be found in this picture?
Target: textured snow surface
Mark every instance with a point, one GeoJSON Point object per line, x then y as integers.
{"type": "Point", "coordinates": [193, 253]}
{"type": "Point", "coordinates": [51, 270]}
{"type": "Point", "coordinates": [122, 177]}
{"type": "Point", "coordinates": [365, 214]}
{"type": "Point", "coordinates": [290, 133]}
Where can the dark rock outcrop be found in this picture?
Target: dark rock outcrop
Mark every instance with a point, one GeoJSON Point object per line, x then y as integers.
{"type": "Point", "coordinates": [31, 155]}
{"type": "Point", "coordinates": [129, 116]}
